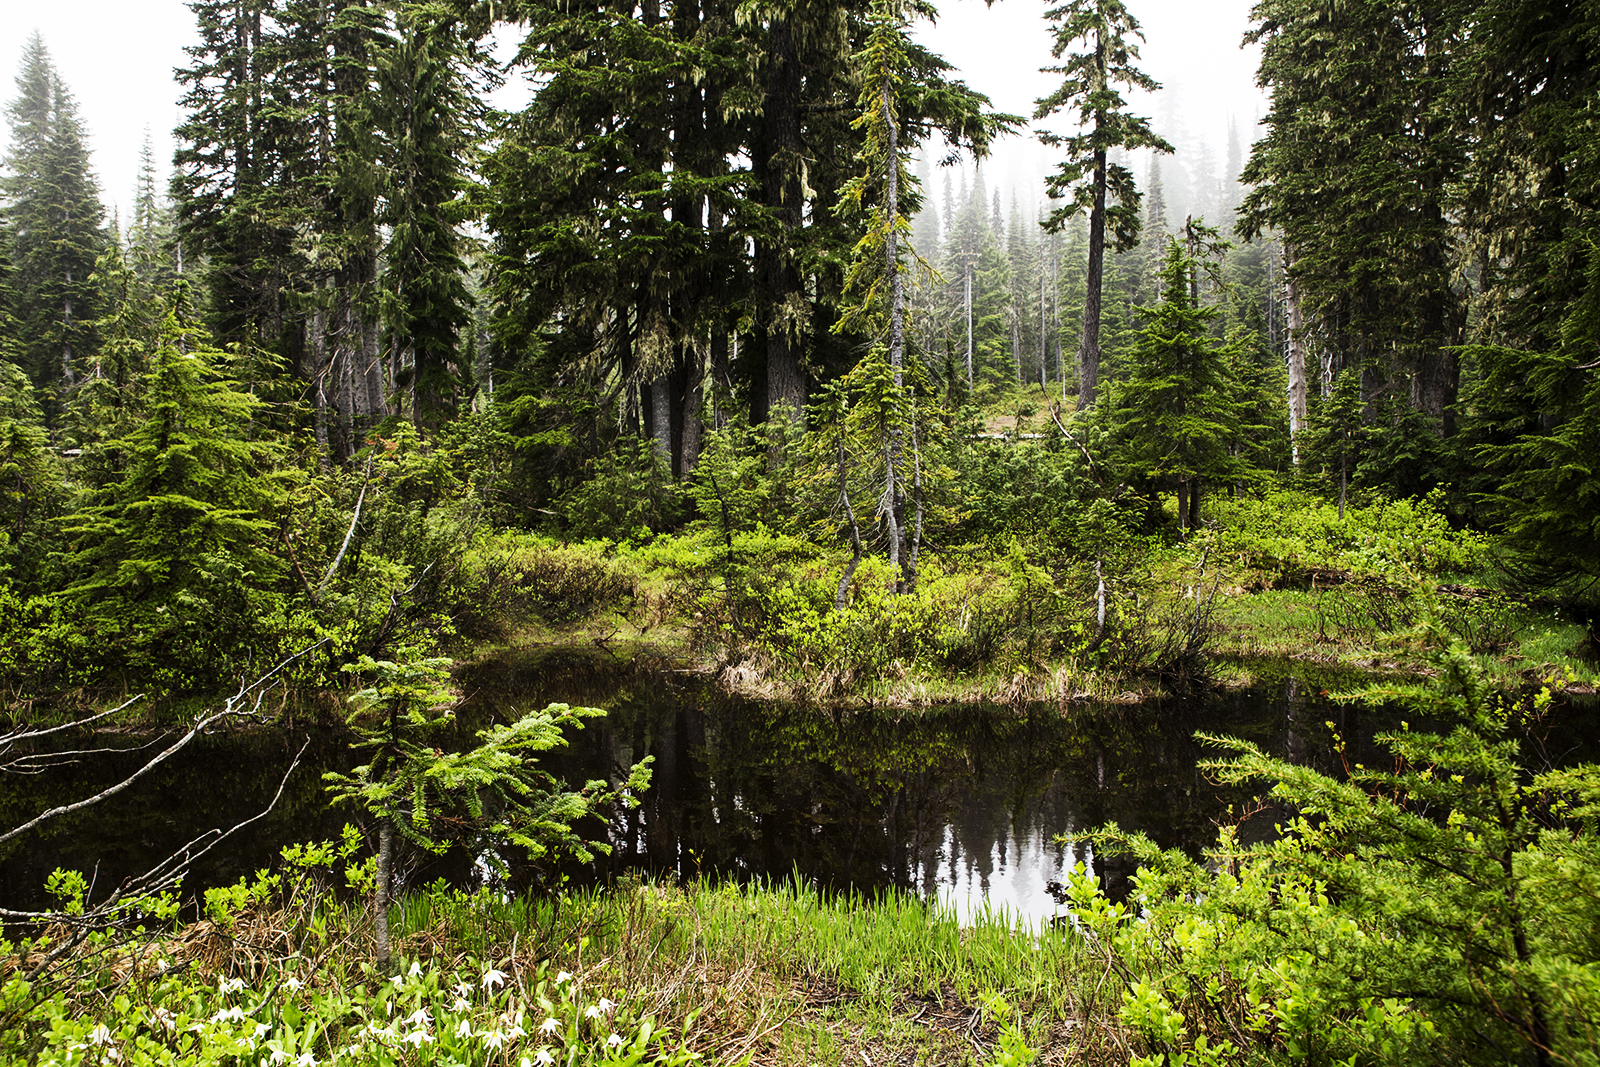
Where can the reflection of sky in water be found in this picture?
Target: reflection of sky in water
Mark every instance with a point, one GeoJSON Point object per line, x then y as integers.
{"type": "Point", "coordinates": [1010, 878]}
{"type": "Point", "coordinates": [985, 859]}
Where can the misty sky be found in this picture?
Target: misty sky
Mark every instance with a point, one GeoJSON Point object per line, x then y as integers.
{"type": "Point", "coordinates": [117, 57]}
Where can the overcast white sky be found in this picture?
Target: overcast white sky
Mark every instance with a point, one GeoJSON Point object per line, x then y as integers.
{"type": "Point", "coordinates": [117, 56]}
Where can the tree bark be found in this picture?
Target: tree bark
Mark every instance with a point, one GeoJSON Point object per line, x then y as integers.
{"type": "Point", "coordinates": [380, 894]}
{"type": "Point", "coordinates": [775, 258]}
{"type": "Point", "coordinates": [1089, 344]}
{"type": "Point", "coordinates": [1297, 364]}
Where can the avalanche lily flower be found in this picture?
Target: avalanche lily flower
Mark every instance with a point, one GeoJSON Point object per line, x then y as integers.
{"type": "Point", "coordinates": [293, 984]}
{"type": "Point", "coordinates": [101, 1035]}
{"type": "Point", "coordinates": [543, 1057]}
{"type": "Point", "coordinates": [416, 969]}
{"type": "Point", "coordinates": [613, 1041]}
{"type": "Point", "coordinates": [462, 990]}
{"type": "Point", "coordinates": [227, 985]}
{"type": "Point", "coordinates": [464, 1028]}
{"type": "Point", "coordinates": [234, 1014]}
{"type": "Point", "coordinates": [592, 1012]}
{"type": "Point", "coordinates": [418, 1038]}
{"type": "Point", "coordinates": [419, 1018]}
{"type": "Point", "coordinates": [606, 1005]}
{"type": "Point", "coordinates": [493, 978]}
{"type": "Point", "coordinates": [396, 980]}
{"type": "Point", "coordinates": [306, 1059]}
{"type": "Point", "coordinates": [550, 1026]}
{"type": "Point", "coordinates": [564, 976]}
{"type": "Point", "coordinates": [493, 1040]}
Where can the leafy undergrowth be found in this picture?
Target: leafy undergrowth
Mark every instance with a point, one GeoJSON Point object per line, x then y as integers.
{"type": "Point", "coordinates": [777, 615]}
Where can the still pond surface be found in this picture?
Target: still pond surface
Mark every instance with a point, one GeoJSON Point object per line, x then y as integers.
{"type": "Point", "coordinates": [975, 806]}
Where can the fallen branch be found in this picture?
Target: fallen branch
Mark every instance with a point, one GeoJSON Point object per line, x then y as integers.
{"type": "Point", "coordinates": [251, 692]}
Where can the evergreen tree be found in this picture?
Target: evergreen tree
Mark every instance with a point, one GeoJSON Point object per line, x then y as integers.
{"type": "Point", "coordinates": [53, 224]}
{"type": "Point", "coordinates": [31, 481]}
{"type": "Point", "coordinates": [1088, 86]}
{"type": "Point", "coordinates": [1358, 157]}
{"type": "Point", "coordinates": [150, 238]}
{"type": "Point", "coordinates": [493, 791]}
{"type": "Point", "coordinates": [170, 557]}
{"type": "Point", "coordinates": [426, 111]}
{"type": "Point", "coordinates": [1177, 410]}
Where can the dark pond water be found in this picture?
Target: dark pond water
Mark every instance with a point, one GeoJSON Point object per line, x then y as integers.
{"type": "Point", "coordinates": [966, 804]}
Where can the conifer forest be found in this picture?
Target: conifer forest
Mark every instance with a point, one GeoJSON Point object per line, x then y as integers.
{"type": "Point", "coordinates": [732, 355]}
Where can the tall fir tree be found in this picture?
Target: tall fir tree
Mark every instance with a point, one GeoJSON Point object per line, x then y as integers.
{"type": "Point", "coordinates": [53, 223]}
{"type": "Point", "coordinates": [427, 117]}
{"type": "Point", "coordinates": [1107, 34]}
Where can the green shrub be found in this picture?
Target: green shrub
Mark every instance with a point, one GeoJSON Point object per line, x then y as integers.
{"type": "Point", "coordinates": [1443, 907]}
{"type": "Point", "coordinates": [1293, 539]}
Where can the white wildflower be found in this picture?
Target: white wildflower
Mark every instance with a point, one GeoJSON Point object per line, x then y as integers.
{"type": "Point", "coordinates": [234, 1014]}
{"type": "Point", "coordinates": [613, 1041]}
{"type": "Point", "coordinates": [278, 1056]}
{"type": "Point", "coordinates": [493, 978]}
{"type": "Point", "coordinates": [462, 990]}
{"type": "Point", "coordinates": [464, 1028]}
{"type": "Point", "coordinates": [305, 1059]}
{"type": "Point", "coordinates": [397, 980]}
{"type": "Point", "coordinates": [564, 976]}
{"type": "Point", "coordinates": [293, 984]}
{"type": "Point", "coordinates": [544, 1058]}
{"type": "Point", "coordinates": [229, 985]}
{"type": "Point", "coordinates": [606, 1005]}
{"type": "Point", "coordinates": [419, 1019]}
{"type": "Point", "coordinates": [461, 1004]}
{"type": "Point", "coordinates": [592, 1012]}
{"type": "Point", "coordinates": [493, 1040]}
{"type": "Point", "coordinates": [261, 1030]}
{"type": "Point", "coordinates": [100, 1035]}
{"type": "Point", "coordinates": [416, 969]}
{"type": "Point", "coordinates": [418, 1038]}
{"type": "Point", "coordinates": [550, 1026]}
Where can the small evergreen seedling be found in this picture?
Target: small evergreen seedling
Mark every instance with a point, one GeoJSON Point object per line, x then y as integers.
{"type": "Point", "coordinates": [495, 787]}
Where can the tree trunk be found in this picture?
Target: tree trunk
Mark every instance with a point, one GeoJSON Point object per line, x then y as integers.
{"type": "Point", "coordinates": [1044, 355]}
{"type": "Point", "coordinates": [319, 386]}
{"type": "Point", "coordinates": [967, 276]}
{"type": "Point", "coordinates": [779, 277]}
{"type": "Point", "coordinates": [897, 305]}
{"type": "Point", "coordinates": [690, 382]}
{"type": "Point", "coordinates": [380, 894]}
{"type": "Point", "coordinates": [1297, 367]}
{"type": "Point", "coordinates": [1089, 344]}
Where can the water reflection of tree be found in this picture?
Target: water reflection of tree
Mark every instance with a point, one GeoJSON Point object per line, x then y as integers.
{"type": "Point", "coordinates": [865, 798]}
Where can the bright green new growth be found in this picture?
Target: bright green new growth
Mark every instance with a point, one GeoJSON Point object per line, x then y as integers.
{"type": "Point", "coordinates": [1441, 906]}
{"type": "Point", "coordinates": [494, 788]}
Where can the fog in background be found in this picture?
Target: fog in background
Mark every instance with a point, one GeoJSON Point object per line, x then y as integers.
{"type": "Point", "coordinates": [117, 58]}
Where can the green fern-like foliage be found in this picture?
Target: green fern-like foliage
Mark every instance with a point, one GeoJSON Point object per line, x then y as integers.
{"type": "Point", "coordinates": [494, 787]}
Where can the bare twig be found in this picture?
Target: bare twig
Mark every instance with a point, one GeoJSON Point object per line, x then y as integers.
{"type": "Point", "coordinates": [366, 480]}
{"type": "Point", "coordinates": [251, 692]}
